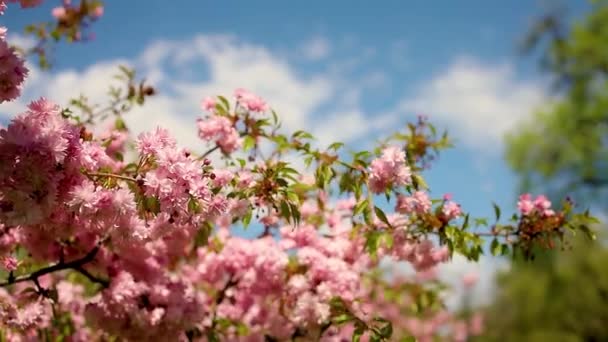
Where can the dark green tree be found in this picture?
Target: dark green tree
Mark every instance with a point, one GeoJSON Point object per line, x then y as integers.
{"type": "Point", "coordinates": [562, 150]}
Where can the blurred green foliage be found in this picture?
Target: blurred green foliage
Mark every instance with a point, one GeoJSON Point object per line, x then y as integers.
{"type": "Point", "coordinates": [562, 150]}
{"type": "Point", "coordinates": [562, 298]}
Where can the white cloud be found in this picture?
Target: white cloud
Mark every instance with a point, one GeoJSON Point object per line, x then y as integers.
{"type": "Point", "coordinates": [186, 71]}
{"type": "Point", "coordinates": [482, 293]}
{"type": "Point", "coordinates": [478, 102]}
{"type": "Point", "coordinates": [316, 48]}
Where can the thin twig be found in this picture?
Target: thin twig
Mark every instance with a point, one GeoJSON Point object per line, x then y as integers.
{"type": "Point", "coordinates": [104, 174]}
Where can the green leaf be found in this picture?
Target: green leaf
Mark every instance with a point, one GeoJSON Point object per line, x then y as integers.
{"type": "Point", "coordinates": [152, 204]}
{"type": "Point", "coordinates": [335, 146]}
{"type": "Point", "coordinates": [495, 247]}
{"type": "Point", "coordinates": [372, 242]}
{"type": "Point", "coordinates": [202, 235]}
{"type": "Point", "coordinates": [193, 205]}
{"type": "Point", "coordinates": [465, 224]}
{"type": "Point", "coordinates": [496, 211]}
{"type": "Point", "coordinates": [360, 206]}
{"type": "Point", "coordinates": [419, 183]}
{"type": "Point", "coordinates": [275, 117]}
{"type": "Point", "coordinates": [285, 211]}
{"type": "Point", "coordinates": [380, 214]}
{"type": "Point", "coordinates": [224, 102]}
{"type": "Point", "coordinates": [120, 125]}
{"type": "Point", "coordinates": [343, 318]}
{"type": "Point", "coordinates": [247, 218]}
{"type": "Point", "coordinates": [302, 135]}
{"type": "Point", "coordinates": [358, 333]}
{"type": "Point", "coordinates": [248, 143]}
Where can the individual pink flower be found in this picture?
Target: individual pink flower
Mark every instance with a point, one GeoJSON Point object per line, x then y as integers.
{"type": "Point", "coordinates": [58, 12]}
{"type": "Point", "coordinates": [9, 263]}
{"type": "Point", "coordinates": [208, 104]}
{"type": "Point", "coordinates": [2, 7]}
{"type": "Point", "coordinates": [470, 279]}
{"type": "Point", "coordinates": [460, 333]}
{"type": "Point", "coordinates": [525, 204]}
{"type": "Point", "coordinates": [98, 12]}
{"type": "Point", "coordinates": [250, 101]}
{"type": "Point", "coordinates": [543, 205]}
{"type": "Point", "coordinates": [451, 210]}
{"type": "Point", "coordinates": [476, 324]}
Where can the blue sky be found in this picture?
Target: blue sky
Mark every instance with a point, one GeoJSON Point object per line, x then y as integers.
{"type": "Point", "coordinates": [349, 70]}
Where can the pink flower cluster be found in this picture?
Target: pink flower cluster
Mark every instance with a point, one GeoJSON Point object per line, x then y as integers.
{"type": "Point", "coordinates": [540, 205]}
{"type": "Point", "coordinates": [220, 130]}
{"type": "Point", "coordinates": [141, 311]}
{"type": "Point", "coordinates": [422, 255]}
{"type": "Point", "coordinates": [12, 70]}
{"type": "Point", "coordinates": [389, 170]}
{"type": "Point", "coordinates": [40, 155]}
{"type": "Point", "coordinates": [419, 202]}
{"type": "Point", "coordinates": [451, 210]}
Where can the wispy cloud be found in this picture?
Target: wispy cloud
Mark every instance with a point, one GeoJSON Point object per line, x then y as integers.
{"type": "Point", "coordinates": [187, 70]}
{"type": "Point", "coordinates": [315, 49]}
{"type": "Point", "coordinates": [478, 101]}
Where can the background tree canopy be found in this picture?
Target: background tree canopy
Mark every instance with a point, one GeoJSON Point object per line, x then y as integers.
{"type": "Point", "coordinates": [563, 150]}
{"type": "Point", "coordinates": [564, 147]}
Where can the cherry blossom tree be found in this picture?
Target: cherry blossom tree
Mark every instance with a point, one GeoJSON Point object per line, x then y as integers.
{"type": "Point", "coordinates": [114, 237]}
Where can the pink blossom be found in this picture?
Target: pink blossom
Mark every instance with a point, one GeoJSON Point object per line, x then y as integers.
{"type": "Point", "coordinates": [389, 169]}
{"type": "Point", "coordinates": [460, 333]}
{"type": "Point", "coordinates": [41, 151]}
{"type": "Point", "coordinates": [9, 263]}
{"type": "Point", "coordinates": [476, 324]}
{"type": "Point", "coordinates": [451, 210]}
{"type": "Point", "coordinates": [525, 204]}
{"type": "Point", "coordinates": [153, 142]}
{"type": "Point", "coordinates": [250, 101]}
{"type": "Point", "coordinates": [541, 204]}
{"type": "Point", "coordinates": [470, 279]}
{"type": "Point", "coordinates": [98, 12]}
{"type": "Point", "coordinates": [419, 202]}
{"type": "Point", "coordinates": [58, 12]}
{"type": "Point", "coordinates": [208, 104]}
{"type": "Point", "coordinates": [220, 130]}
{"type": "Point", "coordinates": [12, 71]}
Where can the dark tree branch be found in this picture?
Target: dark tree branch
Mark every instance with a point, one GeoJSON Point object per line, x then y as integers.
{"type": "Point", "coordinates": [74, 265]}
